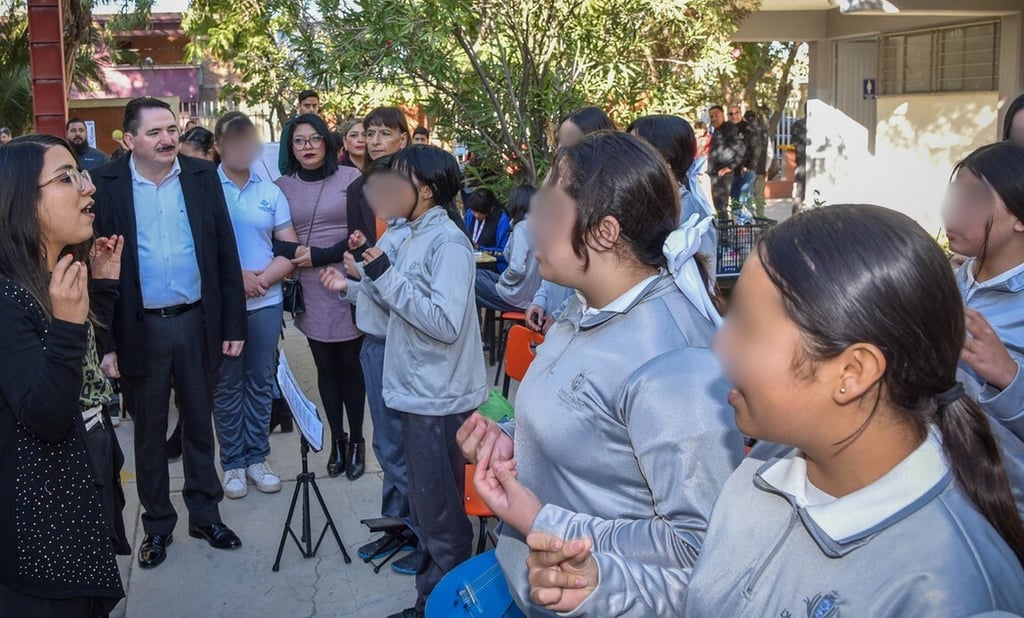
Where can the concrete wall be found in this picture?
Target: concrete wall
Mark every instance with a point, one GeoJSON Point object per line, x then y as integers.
{"type": "Point", "coordinates": [919, 138]}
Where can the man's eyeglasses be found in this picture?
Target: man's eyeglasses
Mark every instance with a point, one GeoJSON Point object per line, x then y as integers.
{"type": "Point", "coordinates": [301, 143]}
{"type": "Point", "coordinates": [79, 179]}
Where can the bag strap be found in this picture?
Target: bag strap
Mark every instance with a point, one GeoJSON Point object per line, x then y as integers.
{"type": "Point", "coordinates": [316, 207]}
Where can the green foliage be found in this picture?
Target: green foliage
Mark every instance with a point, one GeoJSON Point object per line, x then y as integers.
{"type": "Point", "coordinates": [15, 79]}
{"type": "Point", "coordinates": [499, 75]}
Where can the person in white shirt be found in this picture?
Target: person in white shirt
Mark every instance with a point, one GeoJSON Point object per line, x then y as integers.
{"type": "Point", "coordinates": [242, 398]}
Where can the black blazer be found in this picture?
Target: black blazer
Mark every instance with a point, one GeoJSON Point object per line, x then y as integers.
{"type": "Point", "coordinates": [223, 294]}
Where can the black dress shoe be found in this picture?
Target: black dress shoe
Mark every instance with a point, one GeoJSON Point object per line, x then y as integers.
{"type": "Point", "coordinates": [356, 465]}
{"type": "Point", "coordinates": [336, 460]}
{"type": "Point", "coordinates": [218, 536]}
{"type": "Point", "coordinates": [154, 550]}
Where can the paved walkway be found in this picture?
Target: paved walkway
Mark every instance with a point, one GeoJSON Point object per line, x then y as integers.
{"type": "Point", "coordinates": [197, 581]}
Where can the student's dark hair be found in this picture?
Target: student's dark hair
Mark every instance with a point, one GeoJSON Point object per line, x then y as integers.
{"type": "Point", "coordinates": [718, 107]}
{"type": "Point", "coordinates": [519, 202]}
{"type": "Point", "coordinates": [320, 127]}
{"type": "Point", "coordinates": [673, 137]}
{"type": "Point", "coordinates": [483, 201]}
{"type": "Point", "coordinates": [590, 120]}
{"type": "Point", "coordinates": [22, 253]}
{"type": "Point", "coordinates": [1001, 165]}
{"type": "Point", "coordinates": [700, 124]}
{"type": "Point", "coordinates": [232, 124]}
{"type": "Point", "coordinates": [612, 174]}
{"type": "Point", "coordinates": [422, 131]}
{"type": "Point", "coordinates": [74, 120]}
{"type": "Point", "coordinates": [305, 94]}
{"type": "Point", "coordinates": [5, 131]}
{"type": "Point", "coordinates": [199, 138]}
{"type": "Point", "coordinates": [875, 292]}
{"type": "Point", "coordinates": [1011, 111]}
{"type": "Point", "coordinates": [133, 112]}
{"type": "Point", "coordinates": [432, 167]}
{"type": "Point", "coordinates": [390, 117]}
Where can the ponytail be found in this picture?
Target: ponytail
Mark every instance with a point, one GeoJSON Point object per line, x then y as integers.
{"type": "Point", "coordinates": [977, 464]}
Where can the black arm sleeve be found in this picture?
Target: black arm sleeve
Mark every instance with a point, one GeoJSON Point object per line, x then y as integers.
{"type": "Point", "coordinates": [41, 374]}
{"type": "Point", "coordinates": [103, 295]}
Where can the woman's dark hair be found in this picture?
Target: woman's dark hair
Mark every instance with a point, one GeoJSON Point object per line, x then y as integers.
{"type": "Point", "coordinates": [1015, 107]}
{"type": "Point", "coordinates": [483, 201]}
{"type": "Point", "coordinates": [390, 117]}
{"type": "Point", "coordinates": [611, 174]}
{"type": "Point", "coordinates": [431, 167]}
{"type": "Point", "coordinates": [22, 253]}
{"type": "Point", "coordinates": [338, 138]}
{"type": "Point", "coordinates": [320, 127]}
{"type": "Point", "coordinates": [673, 137]}
{"type": "Point", "coordinates": [876, 291]}
{"type": "Point", "coordinates": [519, 202]}
{"type": "Point", "coordinates": [1001, 165]}
{"type": "Point", "coordinates": [199, 138]}
{"type": "Point", "coordinates": [591, 120]}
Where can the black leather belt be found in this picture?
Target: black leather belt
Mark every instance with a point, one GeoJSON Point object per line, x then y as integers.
{"type": "Point", "coordinates": [172, 312]}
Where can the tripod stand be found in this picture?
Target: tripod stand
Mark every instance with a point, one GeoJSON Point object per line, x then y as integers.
{"type": "Point", "coordinates": [303, 481]}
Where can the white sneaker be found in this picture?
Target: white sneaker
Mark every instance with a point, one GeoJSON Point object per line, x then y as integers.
{"type": "Point", "coordinates": [234, 484]}
{"type": "Point", "coordinates": [264, 478]}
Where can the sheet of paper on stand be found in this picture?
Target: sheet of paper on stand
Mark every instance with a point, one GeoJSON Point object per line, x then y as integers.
{"type": "Point", "coordinates": [303, 410]}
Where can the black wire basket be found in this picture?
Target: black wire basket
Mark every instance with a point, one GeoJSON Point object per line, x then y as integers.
{"type": "Point", "coordinates": [736, 241]}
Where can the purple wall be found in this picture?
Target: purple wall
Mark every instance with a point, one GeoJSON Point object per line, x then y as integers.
{"type": "Point", "coordinates": [130, 82]}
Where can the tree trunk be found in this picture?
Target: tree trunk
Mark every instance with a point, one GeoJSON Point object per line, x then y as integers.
{"type": "Point", "coordinates": [77, 21]}
{"type": "Point", "coordinates": [785, 88]}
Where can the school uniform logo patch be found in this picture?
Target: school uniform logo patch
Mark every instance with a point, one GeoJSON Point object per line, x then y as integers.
{"type": "Point", "coordinates": [570, 397]}
{"type": "Point", "coordinates": [266, 206]}
{"type": "Point", "coordinates": [823, 606]}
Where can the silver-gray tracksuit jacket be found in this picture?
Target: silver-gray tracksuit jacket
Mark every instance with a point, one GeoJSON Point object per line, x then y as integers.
{"type": "Point", "coordinates": [520, 280]}
{"type": "Point", "coordinates": [371, 312]}
{"type": "Point", "coordinates": [433, 360]}
{"type": "Point", "coordinates": [623, 432]}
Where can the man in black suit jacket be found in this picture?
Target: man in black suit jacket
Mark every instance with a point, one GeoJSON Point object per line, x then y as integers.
{"type": "Point", "coordinates": [181, 308]}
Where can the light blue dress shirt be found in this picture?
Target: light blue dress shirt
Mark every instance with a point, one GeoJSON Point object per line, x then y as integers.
{"type": "Point", "coordinates": [168, 270]}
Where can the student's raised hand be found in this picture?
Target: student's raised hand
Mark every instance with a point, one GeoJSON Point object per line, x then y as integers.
{"type": "Point", "coordinates": [303, 258]}
{"type": "Point", "coordinates": [985, 352]}
{"type": "Point", "coordinates": [69, 291]}
{"type": "Point", "coordinates": [105, 257]}
{"type": "Point", "coordinates": [351, 269]}
{"type": "Point", "coordinates": [333, 280]}
{"type": "Point", "coordinates": [535, 317]}
{"type": "Point", "coordinates": [497, 483]}
{"type": "Point", "coordinates": [356, 239]}
{"type": "Point", "coordinates": [562, 574]}
{"type": "Point", "coordinates": [480, 436]}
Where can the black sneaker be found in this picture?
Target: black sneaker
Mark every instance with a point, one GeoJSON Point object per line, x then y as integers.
{"type": "Point", "coordinates": [408, 565]}
{"type": "Point", "coordinates": [382, 545]}
{"type": "Point", "coordinates": [412, 612]}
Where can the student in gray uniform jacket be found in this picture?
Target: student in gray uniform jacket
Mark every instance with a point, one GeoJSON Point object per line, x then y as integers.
{"type": "Point", "coordinates": [515, 287]}
{"type": "Point", "coordinates": [893, 501]}
{"type": "Point", "coordinates": [984, 220]}
{"type": "Point", "coordinates": [372, 317]}
{"type": "Point", "coordinates": [433, 360]}
{"type": "Point", "coordinates": [548, 304]}
{"type": "Point", "coordinates": [673, 137]}
{"type": "Point", "coordinates": [621, 433]}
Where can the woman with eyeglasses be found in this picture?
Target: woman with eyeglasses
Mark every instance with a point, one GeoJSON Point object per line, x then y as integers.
{"type": "Point", "coordinates": [60, 498]}
{"type": "Point", "coordinates": [316, 188]}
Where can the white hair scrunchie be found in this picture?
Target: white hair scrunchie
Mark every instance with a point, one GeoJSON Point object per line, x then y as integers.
{"type": "Point", "coordinates": [680, 248]}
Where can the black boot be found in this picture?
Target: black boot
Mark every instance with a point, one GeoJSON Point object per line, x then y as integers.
{"type": "Point", "coordinates": [356, 460]}
{"type": "Point", "coordinates": [336, 460]}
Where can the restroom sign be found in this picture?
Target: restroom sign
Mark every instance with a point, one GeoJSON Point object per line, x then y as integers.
{"type": "Point", "coordinates": [870, 89]}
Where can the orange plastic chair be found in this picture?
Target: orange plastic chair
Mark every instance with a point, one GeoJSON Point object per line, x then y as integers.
{"type": "Point", "coordinates": [520, 350]}
{"type": "Point", "coordinates": [500, 336]}
{"type": "Point", "coordinates": [475, 507]}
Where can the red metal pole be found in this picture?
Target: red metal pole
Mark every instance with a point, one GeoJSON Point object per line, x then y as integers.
{"type": "Point", "coordinates": [46, 50]}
